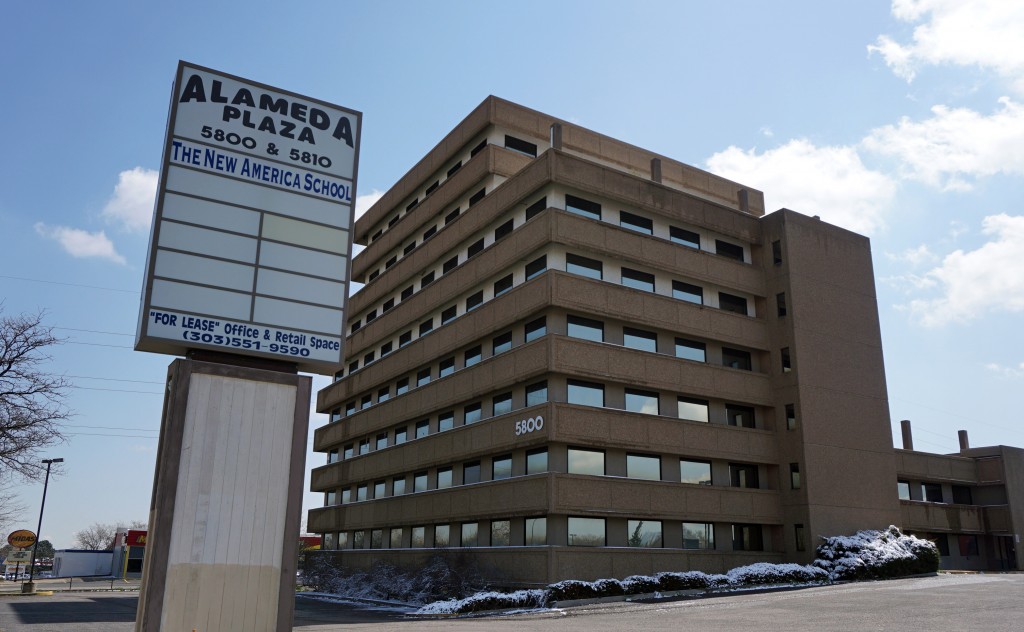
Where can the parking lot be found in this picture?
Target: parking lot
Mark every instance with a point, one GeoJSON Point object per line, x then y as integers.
{"type": "Point", "coordinates": [946, 603]}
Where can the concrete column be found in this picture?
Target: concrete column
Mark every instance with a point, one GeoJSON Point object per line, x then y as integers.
{"type": "Point", "coordinates": [556, 136]}
{"type": "Point", "coordinates": [964, 443]}
{"type": "Point", "coordinates": [908, 439]}
{"type": "Point", "coordinates": [656, 170]}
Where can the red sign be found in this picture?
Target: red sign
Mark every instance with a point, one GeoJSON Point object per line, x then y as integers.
{"type": "Point", "coordinates": [135, 538]}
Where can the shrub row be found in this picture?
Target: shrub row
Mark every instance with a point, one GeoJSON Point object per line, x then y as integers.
{"type": "Point", "coordinates": [874, 554]}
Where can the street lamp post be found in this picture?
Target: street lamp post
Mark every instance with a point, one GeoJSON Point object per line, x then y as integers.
{"type": "Point", "coordinates": [30, 587]}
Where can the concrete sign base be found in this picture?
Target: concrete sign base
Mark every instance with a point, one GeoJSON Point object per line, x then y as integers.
{"type": "Point", "coordinates": [227, 498]}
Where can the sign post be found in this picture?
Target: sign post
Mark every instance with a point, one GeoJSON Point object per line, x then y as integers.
{"type": "Point", "coordinates": [247, 276]}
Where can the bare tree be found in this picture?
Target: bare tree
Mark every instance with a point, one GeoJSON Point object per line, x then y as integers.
{"type": "Point", "coordinates": [32, 407]}
{"type": "Point", "coordinates": [97, 537]}
{"type": "Point", "coordinates": [10, 507]}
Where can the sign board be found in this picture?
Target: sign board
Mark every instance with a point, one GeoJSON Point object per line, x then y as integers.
{"type": "Point", "coordinates": [252, 233]}
{"type": "Point", "coordinates": [22, 556]}
{"type": "Point", "coordinates": [135, 538]}
{"type": "Point", "coordinates": [21, 539]}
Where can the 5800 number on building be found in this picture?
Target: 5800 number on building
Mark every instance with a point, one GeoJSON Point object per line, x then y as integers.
{"type": "Point", "coordinates": [532, 424]}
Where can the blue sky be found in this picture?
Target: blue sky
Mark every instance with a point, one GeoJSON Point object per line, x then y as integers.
{"type": "Point", "coordinates": [903, 121]}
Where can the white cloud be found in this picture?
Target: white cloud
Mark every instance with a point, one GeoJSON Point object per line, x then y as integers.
{"type": "Point", "coordinates": [982, 33]}
{"type": "Point", "coordinates": [81, 244]}
{"type": "Point", "coordinates": [131, 204]}
{"type": "Point", "coordinates": [914, 256]}
{"type": "Point", "coordinates": [364, 202]}
{"type": "Point", "coordinates": [1006, 371]}
{"type": "Point", "coordinates": [831, 181]}
{"type": "Point", "coordinates": [955, 145]}
{"type": "Point", "coordinates": [977, 282]}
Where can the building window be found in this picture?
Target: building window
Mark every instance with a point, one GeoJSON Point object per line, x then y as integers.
{"type": "Point", "coordinates": [699, 536]}
{"type": "Point", "coordinates": [346, 496]}
{"type": "Point", "coordinates": [376, 273]}
{"type": "Point", "coordinates": [502, 404]}
{"type": "Point", "coordinates": [368, 358]}
{"type": "Point", "coordinates": [747, 537]}
{"type": "Point", "coordinates": [450, 217]}
{"type": "Point", "coordinates": [586, 208]}
{"type": "Point", "coordinates": [361, 492]}
{"type": "Point", "coordinates": [450, 265]}
{"type": "Point", "coordinates": [931, 492]}
{"type": "Point", "coordinates": [799, 537]}
{"type": "Point", "coordinates": [472, 356]}
{"type": "Point", "coordinates": [535, 329]}
{"type": "Point", "coordinates": [688, 292]}
{"type": "Point", "coordinates": [384, 394]}
{"type": "Point", "coordinates": [422, 428]}
{"type": "Point", "coordinates": [691, 350]}
{"type": "Point", "coordinates": [386, 348]}
{"type": "Point", "coordinates": [442, 535]}
{"type": "Point", "coordinates": [423, 377]}
{"type": "Point", "coordinates": [962, 495]}
{"type": "Point", "coordinates": [379, 489]}
{"type": "Point", "coordinates": [536, 267]}
{"type": "Point", "coordinates": [537, 393]}
{"type": "Point", "coordinates": [426, 327]}
{"type": "Point", "coordinates": [787, 360]}
{"type": "Point", "coordinates": [409, 247]}
{"type": "Point", "coordinates": [645, 402]}
{"type": "Point", "coordinates": [639, 339]}
{"type": "Point", "coordinates": [794, 476]}
{"type": "Point", "coordinates": [502, 285]}
{"type": "Point", "coordinates": [472, 413]}
{"type": "Point", "coordinates": [401, 386]}
{"type": "Point", "coordinates": [382, 441]}
{"type": "Point", "coordinates": [444, 477]}
{"type": "Point", "coordinates": [684, 237]}
{"type": "Point", "coordinates": [903, 489]}
{"type": "Point", "coordinates": [377, 539]}
{"type": "Point", "coordinates": [347, 452]}
{"type": "Point", "coordinates": [454, 168]}
{"type": "Point", "coordinates": [404, 338]}
{"type": "Point", "coordinates": [398, 486]}
{"type": "Point", "coordinates": [521, 146]}
{"type": "Point", "coordinates": [536, 461]}
{"type": "Point", "coordinates": [474, 300]}
{"type": "Point", "coordinates": [586, 393]}
{"type": "Point", "coordinates": [743, 475]}
{"type": "Point", "coordinates": [692, 409]}
{"type": "Point", "coordinates": [536, 532]}
{"type": "Point", "coordinates": [412, 204]}
{"type": "Point", "coordinates": [968, 545]}
{"type": "Point", "coordinates": [501, 468]}
{"type": "Point", "coordinates": [736, 359]}
{"type": "Point", "coordinates": [401, 435]}
{"type": "Point", "coordinates": [329, 541]}
{"type": "Point", "coordinates": [470, 533]}
{"type": "Point", "coordinates": [586, 531]}
{"type": "Point", "coordinates": [332, 456]}
{"type": "Point", "coordinates": [732, 303]}
{"type": "Point", "coordinates": [356, 325]}
{"type": "Point", "coordinates": [503, 231]}
{"type": "Point", "coordinates": [471, 473]}
{"type": "Point", "coordinates": [582, 461]}
{"type": "Point", "coordinates": [407, 292]}
{"type": "Point", "coordinates": [352, 367]}
{"type": "Point", "coordinates": [643, 466]}
{"type": "Point", "coordinates": [419, 482]}
{"type": "Point", "coordinates": [534, 209]}
{"type": "Point", "coordinates": [644, 533]}
{"type": "Point", "coordinates": [432, 187]}
{"type": "Point", "coordinates": [358, 539]}
{"type": "Point", "coordinates": [330, 498]}
{"type": "Point", "coordinates": [364, 446]}
{"type": "Point", "coordinates": [777, 252]}
{"type": "Point", "coordinates": [476, 197]}
{"type": "Point", "coordinates": [940, 540]}
{"type": "Point", "coordinates": [417, 537]}
{"type": "Point", "coordinates": [501, 344]}
{"type": "Point", "coordinates": [636, 222]}
{"type": "Point", "coordinates": [590, 268]}
{"type": "Point", "coordinates": [479, 148]}
{"type": "Point", "coordinates": [780, 303]}
{"type": "Point", "coordinates": [390, 262]}
{"type": "Point", "coordinates": [738, 415]}
{"type": "Point", "coordinates": [585, 328]}
{"type": "Point", "coordinates": [790, 417]}
{"type": "Point", "coordinates": [475, 248]}
{"type": "Point", "coordinates": [446, 368]}
{"type": "Point", "coordinates": [729, 250]}
{"type": "Point", "coordinates": [446, 421]}
{"type": "Point", "coordinates": [501, 532]}
{"type": "Point", "coordinates": [350, 408]}
{"type": "Point", "coordinates": [637, 280]}
{"type": "Point", "coordinates": [426, 235]}
{"type": "Point", "coordinates": [426, 279]}
{"type": "Point", "coordinates": [695, 472]}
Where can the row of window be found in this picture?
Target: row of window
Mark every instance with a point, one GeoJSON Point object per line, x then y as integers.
{"type": "Point", "coordinates": [932, 493]}
{"type": "Point", "coordinates": [967, 544]}
{"type": "Point", "coordinates": [582, 531]}
{"type": "Point", "coordinates": [584, 461]}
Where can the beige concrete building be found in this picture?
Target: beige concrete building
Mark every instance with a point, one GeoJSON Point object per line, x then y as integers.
{"type": "Point", "coordinates": [582, 359]}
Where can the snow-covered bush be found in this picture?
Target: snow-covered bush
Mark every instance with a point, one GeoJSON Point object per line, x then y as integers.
{"type": "Point", "coordinates": [766, 574]}
{"type": "Point", "coordinates": [877, 555]}
{"type": "Point", "coordinates": [639, 584]}
{"type": "Point", "coordinates": [690, 580]}
{"type": "Point", "coordinates": [608, 588]}
{"type": "Point", "coordinates": [571, 589]}
{"type": "Point", "coordinates": [487, 601]}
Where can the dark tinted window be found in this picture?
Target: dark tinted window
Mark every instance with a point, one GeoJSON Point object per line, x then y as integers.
{"type": "Point", "coordinates": [732, 303]}
{"type": "Point", "coordinates": [535, 208]}
{"type": "Point", "coordinates": [685, 237]}
{"type": "Point", "coordinates": [586, 208]}
{"type": "Point", "coordinates": [636, 222]}
{"type": "Point", "coordinates": [522, 146]}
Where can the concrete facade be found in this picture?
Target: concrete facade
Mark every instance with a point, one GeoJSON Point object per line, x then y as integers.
{"type": "Point", "coordinates": [582, 359]}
